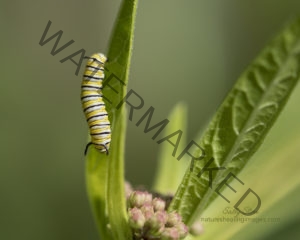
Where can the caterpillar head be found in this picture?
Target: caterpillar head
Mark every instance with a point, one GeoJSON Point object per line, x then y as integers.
{"type": "Point", "coordinates": [99, 57]}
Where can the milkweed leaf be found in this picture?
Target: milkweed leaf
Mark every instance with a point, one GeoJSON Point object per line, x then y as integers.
{"type": "Point", "coordinates": [273, 167]}
{"type": "Point", "coordinates": [105, 174]}
{"type": "Point", "coordinates": [170, 170]}
{"type": "Point", "coordinates": [242, 121]}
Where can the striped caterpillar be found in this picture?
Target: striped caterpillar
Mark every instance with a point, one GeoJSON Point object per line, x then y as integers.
{"type": "Point", "coordinates": [93, 105]}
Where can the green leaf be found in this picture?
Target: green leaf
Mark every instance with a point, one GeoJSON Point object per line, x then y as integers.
{"type": "Point", "coordinates": [96, 180]}
{"type": "Point", "coordinates": [243, 120]}
{"type": "Point", "coordinates": [105, 174]}
{"type": "Point", "coordinates": [170, 171]}
{"type": "Point", "coordinates": [273, 173]}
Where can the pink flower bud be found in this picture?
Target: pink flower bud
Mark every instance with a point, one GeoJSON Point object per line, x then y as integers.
{"type": "Point", "coordinates": [173, 219]}
{"type": "Point", "coordinates": [147, 210]}
{"type": "Point", "coordinates": [156, 223]}
{"type": "Point", "coordinates": [197, 228]}
{"type": "Point", "coordinates": [182, 229]}
{"type": "Point", "coordinates": [158, 204]}
{"type": "Point", "coordinates": [128, 189]}
{"type": "Point", "coordinates": [148, 198]}
{"type": "Point", "coordinates": [170, 234]}
{"type": "Point", "coordinates": [137, 199]}
{"type": "Point", "coordinates": [136, 218]}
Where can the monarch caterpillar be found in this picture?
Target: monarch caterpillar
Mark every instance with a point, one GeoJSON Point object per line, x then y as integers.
{"type": "Point", "coordinates": [93, 105]}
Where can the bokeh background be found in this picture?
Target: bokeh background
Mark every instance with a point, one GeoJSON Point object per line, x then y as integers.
{"type": "Point", "coordinates": [189, 51]}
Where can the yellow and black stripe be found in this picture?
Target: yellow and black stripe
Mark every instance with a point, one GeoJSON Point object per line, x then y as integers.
{"type": "Point", "coordinates": [93, 105]}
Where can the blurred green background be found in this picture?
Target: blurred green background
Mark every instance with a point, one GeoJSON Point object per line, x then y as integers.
{"type": "Point", "coordinates": [189, 51]}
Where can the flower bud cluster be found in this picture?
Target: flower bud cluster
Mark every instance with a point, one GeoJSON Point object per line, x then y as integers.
{"type": "Point", "coordinates": [149, 219]}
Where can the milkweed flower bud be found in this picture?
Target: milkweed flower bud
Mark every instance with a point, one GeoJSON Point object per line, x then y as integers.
{"type": "Point", "coordinates": [161, 216]}
{"type": "Point", "coordinates": [182, 229]}
{"type": "Point", "coordinates": [148, 198]}
{"type": "Point", "coordinates": [156, 223]}
{"type": "Point", "coordinates": [147, 210]}
{"type": "Point", "coordinates": [197, 228]}
{"type": "Point", "coordinates": [128, 189]}
{"type": "Point", "coordinates": [170, 234]}
{"type": "Point", "coordinates": [173, 219]}
{"type": "Point", "coordinates": [136, 218]}
{"type": "Point", "coordinates": [158, 204]}
{"type": "Point", "coordinates": [138, 199]}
